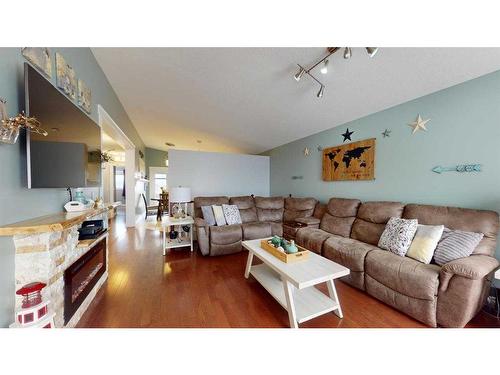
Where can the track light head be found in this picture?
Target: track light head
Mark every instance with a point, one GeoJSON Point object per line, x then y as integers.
{"type": "Point", "coordinates": [347, 53]}
{"type": "Point", "coordinates": [371, 51]}
{"type": "Point", "coordinates": [321, 91]}
{"type": "Point", "coordinates": [324, 68]}
{"type": "Point", "coordinates": [299, 74]}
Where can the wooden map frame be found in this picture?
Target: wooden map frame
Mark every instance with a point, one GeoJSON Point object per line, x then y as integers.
{"type": "Point", "coordinates": [336, 167]}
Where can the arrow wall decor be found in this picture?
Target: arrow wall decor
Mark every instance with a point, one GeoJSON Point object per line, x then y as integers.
{"type": "Point", "coordinates": [459, 168]}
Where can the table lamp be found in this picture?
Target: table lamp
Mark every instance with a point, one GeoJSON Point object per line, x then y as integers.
{"type": "Point", "coordinates": [177, 196]}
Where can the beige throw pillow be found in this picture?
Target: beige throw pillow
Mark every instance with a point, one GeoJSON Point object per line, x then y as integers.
{"type": "Point", "coordinates": [219, 215]}
{"type": "Point", "coordinates": [425, 242]}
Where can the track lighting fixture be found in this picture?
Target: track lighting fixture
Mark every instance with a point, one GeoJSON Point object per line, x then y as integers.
{"type": "Point", "coordinates": [347, 53]}
{"type": "Point", "coordinates": [321, 91]}
{"type": "Point", "coordinates": [299, 74]}
{"type": "Point", "coordinates": [324, 68]}
{"type": "Point", "coordinates": [371, 51]}
{"type": "Point", "coordinates": [325, 61]}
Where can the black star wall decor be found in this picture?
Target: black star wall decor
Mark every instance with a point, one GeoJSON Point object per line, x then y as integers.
{"type": "Point", "coordinates": [347, 135]}
{"type": "Point", "coordinates": [386, 133]}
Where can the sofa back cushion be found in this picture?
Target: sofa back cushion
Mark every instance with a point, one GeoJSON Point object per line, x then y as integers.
{"type": "Point", "coordinates": [339, 216]}
{"type": "Point", "coordinates": [464, 219]}
{"type": "Point", "coordinates": [269, 208]}
{"type": "Point", "coordinates": [371, 220]}
{"type": "Point", "coordinates": [207, 201]}
{"type": "Point", "coordinates": [246, 205]}
{"type": "Point", "coordinates": [298, 207]}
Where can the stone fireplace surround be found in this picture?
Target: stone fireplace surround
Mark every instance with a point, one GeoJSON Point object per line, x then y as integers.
{"type": "Point", "coordinates": [45, 255]}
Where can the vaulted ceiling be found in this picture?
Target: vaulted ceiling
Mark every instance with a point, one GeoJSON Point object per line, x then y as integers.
{"type": "Point", "coordinates": [246, 100]}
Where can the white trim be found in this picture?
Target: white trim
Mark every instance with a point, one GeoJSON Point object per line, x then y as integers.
{"type": "Point", "coordinates": [112, 129]}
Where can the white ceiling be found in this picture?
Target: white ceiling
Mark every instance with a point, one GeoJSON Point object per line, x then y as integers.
{"type": "Point", "coordinates": [246, 100]}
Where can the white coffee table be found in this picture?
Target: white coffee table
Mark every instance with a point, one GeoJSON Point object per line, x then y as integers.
{"type": "Point", "coordinates": [164, 226]}
{"type": "Point", "coordinates": [293, 284]}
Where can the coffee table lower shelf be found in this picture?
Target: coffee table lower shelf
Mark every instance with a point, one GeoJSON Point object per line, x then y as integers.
{"type": "Point", "coordinates": [309, 302]}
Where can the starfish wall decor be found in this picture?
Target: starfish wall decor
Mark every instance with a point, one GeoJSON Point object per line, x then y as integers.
{"type": "Point", "coordinates": [386, 133]}
{"type": "Point", "coordinates": [419, 124]}
{"type": "Point", "coordinates": [347, 135]}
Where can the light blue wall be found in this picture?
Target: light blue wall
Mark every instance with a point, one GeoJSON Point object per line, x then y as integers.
{"type": "Point", "coordinates": [464, 128]}
{"type": "Point", "coordinates": [16, 201]}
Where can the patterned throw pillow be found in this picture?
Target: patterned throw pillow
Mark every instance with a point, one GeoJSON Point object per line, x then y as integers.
{"type": "Point", "coordinates": [208, 215]}
{"type": "Point", "coordinates": [231, 213]}
{"type": "Point", "coordinates": [219, 215]}
{"type": "Point", "coordinates": [456, 244]}
{"type": "Point", "coordinates": [397, 235]}
{"type": "Point", "coordinates": [424, 243]}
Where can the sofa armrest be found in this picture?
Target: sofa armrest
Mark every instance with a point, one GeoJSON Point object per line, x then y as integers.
{"type": "Point", "coordinates": [202, 235]}
{"type": "Point", "coordinates": [199, 223]}
{"type": "Point", "coordinates": [308, 220]}
{"type": "Point", "coordinates": [474, 267]}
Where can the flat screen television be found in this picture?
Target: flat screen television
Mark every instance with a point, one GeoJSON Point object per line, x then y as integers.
{"type": "Point", "coordinates": [70, 155]}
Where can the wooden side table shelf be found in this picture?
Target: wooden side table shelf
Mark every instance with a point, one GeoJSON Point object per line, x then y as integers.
{"type": "Point", "coordinates": [164, 226]}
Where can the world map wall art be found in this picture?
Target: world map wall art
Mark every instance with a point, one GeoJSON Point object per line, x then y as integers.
{"type": "Point", "coordinates": [351, 161]}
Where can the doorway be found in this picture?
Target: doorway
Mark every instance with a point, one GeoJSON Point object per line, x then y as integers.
{"type": "Point", "coordinates": [134, 208]}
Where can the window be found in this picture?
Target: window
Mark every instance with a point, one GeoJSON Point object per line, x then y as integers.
{"type": "Point", "coordinates": [160, 181]}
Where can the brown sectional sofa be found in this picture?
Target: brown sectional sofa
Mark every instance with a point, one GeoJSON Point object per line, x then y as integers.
{"type": "Point", "coordinates": [447, 296]}
{"type": "Point", "coordinates": [347, 231]}
{"type": "Point", "coordinates": [261, 217]}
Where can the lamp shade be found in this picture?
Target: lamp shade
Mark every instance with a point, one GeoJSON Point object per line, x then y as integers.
{"type": "Point", "coordinates": [179, 194]}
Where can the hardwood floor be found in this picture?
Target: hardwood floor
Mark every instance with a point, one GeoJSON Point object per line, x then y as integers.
{"type": "Point", "coordinates": [145, 289]}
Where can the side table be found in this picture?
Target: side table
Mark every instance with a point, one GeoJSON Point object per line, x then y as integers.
{"type": "Point", "coordinates": [164, 226]}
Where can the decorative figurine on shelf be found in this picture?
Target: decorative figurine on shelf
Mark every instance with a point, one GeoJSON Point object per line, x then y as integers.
{"type": "Point", "coordinates": [34, 312]}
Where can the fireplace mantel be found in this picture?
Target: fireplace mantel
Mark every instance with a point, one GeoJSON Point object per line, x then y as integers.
{"type": "Point", "coordinates": [50, 223]}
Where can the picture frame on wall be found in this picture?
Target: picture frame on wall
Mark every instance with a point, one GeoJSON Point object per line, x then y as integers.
{"type": "Point", "coordinates": [65, 77]}
{"type": "Point", "coordinates": [84, 96]}
{"type": "Point", "coordinates": [40, 58]}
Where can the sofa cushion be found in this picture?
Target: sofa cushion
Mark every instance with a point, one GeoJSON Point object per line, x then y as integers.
{"type": "Point", "coordinates": [347, 252]}
{"type": "Point", "coordinates": [231, 214]}
{"type": "Point", "coordinates": [246, 205]}
{"type": "Point", "coordinates": [312, 239]}
{"type": "Point", "coordinates": [277, 229]}
{"type": "Point", "coordinates": [397, 235]}
{"type": "Point", "coordinates": [298, 207]}
{"type": "Point", "coordinates": [255, 230]}
{"type": "Point", "coordinates": [225, 235]}
{"type": "Point", "coordinates": [269, 208]}
{"type": "Point", "coordinates": [337, 225]}
{"type": "Point", "coordinates": [424, 243]}
{"type": "Point", "coordinates": [469, 220]}
{"type": "Point", "coordinates": [371, 219]}
{"type": "Point", "coordinates": [208, 215]}
{"type": "Point", "coordinates": [456, 244]}
{"type": "Point", "coordinates": [219, 215]}
{"type": "Point", "coordinates": [342, 207]}
{"type": "Point", "coordinates": [339, 216]}
{"type": "Point", "coordinates": [207, 201]}
{"type": "Point", "coordinates": [403, 274]}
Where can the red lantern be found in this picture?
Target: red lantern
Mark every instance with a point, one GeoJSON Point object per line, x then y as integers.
{"type": "Point", "coordinates": [34, 311]}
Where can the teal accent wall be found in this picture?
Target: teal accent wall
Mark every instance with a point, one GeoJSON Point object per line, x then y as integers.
{"type": "Point", "coordinates": [154, 158]}
{"type": "Point", "coordinates": [464, 128]}
{"type": "Point", "coordinates": [16, 201]}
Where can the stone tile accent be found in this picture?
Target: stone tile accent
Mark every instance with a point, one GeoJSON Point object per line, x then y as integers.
{"type": "Point", "coordinates": [44, 257]}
